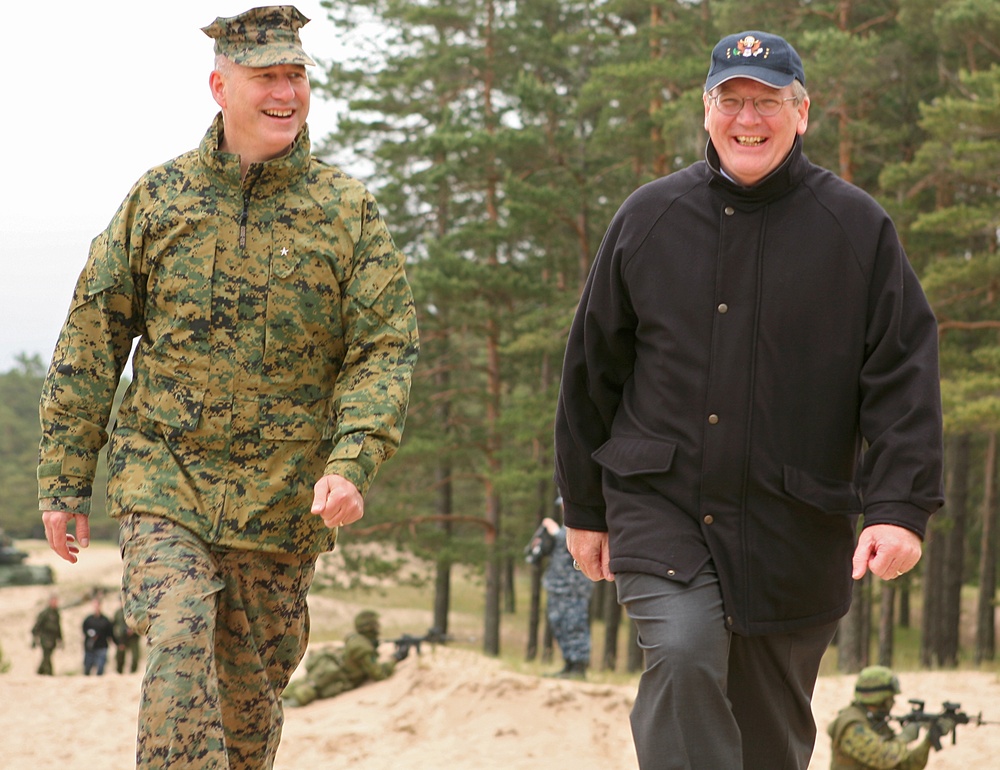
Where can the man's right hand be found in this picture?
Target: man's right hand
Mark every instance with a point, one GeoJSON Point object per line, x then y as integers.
{"type": "Point", "coordinates": [61, 540]}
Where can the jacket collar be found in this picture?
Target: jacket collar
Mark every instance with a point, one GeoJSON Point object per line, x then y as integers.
{"type": "Point", "coordinates": [266, 178]}
{"type": "Point", "coordinates": [785, 177]}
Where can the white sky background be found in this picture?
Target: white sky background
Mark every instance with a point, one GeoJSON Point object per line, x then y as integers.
{"type": "Point", "coordinates": [98, 93]}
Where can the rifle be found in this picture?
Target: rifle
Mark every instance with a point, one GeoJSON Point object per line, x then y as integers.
{"type": "Point", "coordinates": [949, 711]}
{"type": "Point", "coordinates": [407, 642]}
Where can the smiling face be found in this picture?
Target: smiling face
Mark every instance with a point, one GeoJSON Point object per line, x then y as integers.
{"type": "Point", "coordinates": [751, 146]}
{"type": "Point", "coordinates": [263, 108]}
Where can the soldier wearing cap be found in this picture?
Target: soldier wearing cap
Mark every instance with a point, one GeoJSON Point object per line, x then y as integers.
{"type": "Point", "coordinates": [861, 736]}
{"type": "Point", "coordinates": [274, 336]}
{"type": "Point", "coordinates": [749, 324]}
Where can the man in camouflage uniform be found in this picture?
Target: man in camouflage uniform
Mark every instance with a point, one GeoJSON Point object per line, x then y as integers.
{"type": "Point", "coordinates": [126, 643]}
{"type": "Point", "coordinates": [275, 338]}
{"type": "Point", "coordinates": [568, 603]}
{"type": "Point", "coordinates": [47, 634]}
{"type": "Point", "coordinates": [861, 736]}
{"type": "Point", "coordinates": [331, 672]}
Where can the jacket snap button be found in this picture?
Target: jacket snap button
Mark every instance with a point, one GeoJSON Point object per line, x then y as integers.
{"type": "Point", "coordinates": [730, 211]}
{"type": "Point", "coordinates": [723, 308]}
{"type": "Point", "coordinates": [709, 519]}
{"type": "Point", "coordinates": [671, 572]}
{"type": "Point", "coordinates": [713, 419]}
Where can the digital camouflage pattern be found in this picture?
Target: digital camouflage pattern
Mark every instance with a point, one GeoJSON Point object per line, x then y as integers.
{"type": "Point", "coordinates": [330, 672]}
{"type": "Point", "coordinates": [568, 602]}
{"type": "Point", "coordinates": [211, 693]}
{"type": "Point", "coordinates": [261, 37]}
{"type": "Point", "coordinates": [47, 634]}
{"type": "Point", "coordinates": [860, 744]}
{"type": "Point", "coordinates": [276, 340]}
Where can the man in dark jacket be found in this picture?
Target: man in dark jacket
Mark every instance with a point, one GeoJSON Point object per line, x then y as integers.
{"type": "Point", "coordinates": [749, 323]}
{"type": "Point", "coordinates": [98, 631]}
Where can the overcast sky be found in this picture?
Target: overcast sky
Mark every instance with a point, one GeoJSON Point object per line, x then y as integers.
{"type": "Point", "coordinates": [99, 92]}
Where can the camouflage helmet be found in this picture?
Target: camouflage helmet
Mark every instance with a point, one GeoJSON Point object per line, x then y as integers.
{"type": "Point", "coordinates": [366, 622]}
{"type": "Point", "coordinates": [875, 685]}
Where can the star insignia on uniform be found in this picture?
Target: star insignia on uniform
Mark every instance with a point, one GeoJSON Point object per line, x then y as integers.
{"type": "Point", "coordinates": [284, 251]}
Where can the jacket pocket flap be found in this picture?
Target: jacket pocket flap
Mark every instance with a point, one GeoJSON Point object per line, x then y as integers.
{"type": "Point", "coordinates": [829, 495]}
{"type": "Point", "coordinates": [633, 456]}
{"type": "Point", "coordinates": [170, 402]}
{"type": "Point", "coordinates": [288, 419]}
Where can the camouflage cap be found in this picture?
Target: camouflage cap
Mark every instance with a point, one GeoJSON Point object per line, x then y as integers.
{"type": "Point", "coordinates": [261, 37]}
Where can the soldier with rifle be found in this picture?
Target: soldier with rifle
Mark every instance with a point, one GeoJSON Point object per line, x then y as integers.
{"type": "Point", "coordinates": [331, 672]}
{"type": "Point", "coordinates": [862, 738]}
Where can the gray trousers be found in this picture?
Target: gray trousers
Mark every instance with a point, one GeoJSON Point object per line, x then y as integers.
{"type": "Point", "coordinates": [712, 700]}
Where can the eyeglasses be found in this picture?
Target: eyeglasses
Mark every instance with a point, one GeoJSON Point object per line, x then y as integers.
{"type": "Point", "coordinates": [767, 106]}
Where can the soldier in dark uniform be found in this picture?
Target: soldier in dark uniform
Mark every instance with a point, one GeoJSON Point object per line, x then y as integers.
{"type": "Point", "coordinates": [861, 735]}
{"type": "Point", "coordinates": [47, 634]}
{"type": "Point", "coordinates": [568, 603]}
{"type": "Point", "coordinates": [330, 672]}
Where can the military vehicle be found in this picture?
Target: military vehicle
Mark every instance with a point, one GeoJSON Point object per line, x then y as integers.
{"type": "Point", "coordinates": [13, 570]}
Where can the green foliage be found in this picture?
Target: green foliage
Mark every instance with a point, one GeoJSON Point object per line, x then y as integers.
{"type": "Point", "coordinates": [500, 139]}
{"type": "Point", "coordinates": [19, 436]}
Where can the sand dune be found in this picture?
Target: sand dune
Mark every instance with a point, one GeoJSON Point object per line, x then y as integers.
{"type": "Point", "coordinates": [447, 708]}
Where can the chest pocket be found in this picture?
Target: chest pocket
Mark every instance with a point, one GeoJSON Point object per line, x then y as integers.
{"type": "Point", "coordinates": [303, 324]}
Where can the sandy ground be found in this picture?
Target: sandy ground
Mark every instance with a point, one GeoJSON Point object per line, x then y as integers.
{"type": "Point", "coordinates": [447, 708]}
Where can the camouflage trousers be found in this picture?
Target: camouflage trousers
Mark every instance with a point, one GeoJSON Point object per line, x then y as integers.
{"type": "Point", "coordinates": [569, 616]}
{"type": "Point", "coordinates": [225, 630]}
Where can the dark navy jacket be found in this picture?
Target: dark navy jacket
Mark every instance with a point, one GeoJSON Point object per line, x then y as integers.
{"type": "Point", "coordinates": [748, 370]}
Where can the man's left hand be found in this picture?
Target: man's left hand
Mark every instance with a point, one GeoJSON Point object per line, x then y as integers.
{"type": "Point", "coordinates": [887, 550]}
{"type": "Point", "coordinates": [337, 501]}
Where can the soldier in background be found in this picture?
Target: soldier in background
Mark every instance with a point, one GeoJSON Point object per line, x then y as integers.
{"type": "Point", "coordinates": [330, 672]}
{"type": "Point", "coordinates": [97, 633]}
{"type": "Point", "coordinates": [126, 643]}
{"type": "Point", "coordinates": [47, 634]}
{"type": "Point", "coordinates": [568, 593]}
{"type": "Point", "coordinates": [274, 339]}
{"type": "Point", "coordinates": [861, 736]}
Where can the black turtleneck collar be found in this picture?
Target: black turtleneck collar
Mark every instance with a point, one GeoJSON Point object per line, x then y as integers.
{"type": "Point", "coordinates": [784, 178]}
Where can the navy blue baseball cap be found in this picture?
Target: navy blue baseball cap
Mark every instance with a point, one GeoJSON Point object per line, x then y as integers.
{"type": "Point", "coordinates": [760, 56]}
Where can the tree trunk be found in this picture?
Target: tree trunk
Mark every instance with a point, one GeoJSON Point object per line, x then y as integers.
{"type": "Point", "coordinates": [852, 634]}
{"type": "Point", "coordinates": [612, 621]}
{"type": "Point", "coordinates": [931, 622]}
{"type": "Point", "coordinates": [957, 514]}
{"type": "Point", "coordinates": [887, 602]}
{"type": "Point", "coordinates": [442, 479]}
{"type": "Point", "coordinates": [986, 606]}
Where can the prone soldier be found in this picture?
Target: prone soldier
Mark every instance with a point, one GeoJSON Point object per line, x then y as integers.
{"type": "Point", "coordinates": [330, 672]}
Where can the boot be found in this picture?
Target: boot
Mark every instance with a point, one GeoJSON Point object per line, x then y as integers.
{"type": "Point", "coordinates": [560, 674]}
{"type": "Point", "coordinates": [574, 670]}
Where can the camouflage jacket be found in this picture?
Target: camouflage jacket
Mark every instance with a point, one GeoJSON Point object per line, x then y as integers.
{"type": "Point", "coordinates": [350, 667]}
{"type": "Point", "coordinates": [47, 630]}
{"type": "Point", "coordinates": [857, 744]}
{"type": "Point", "coordinates": [276, 338]}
